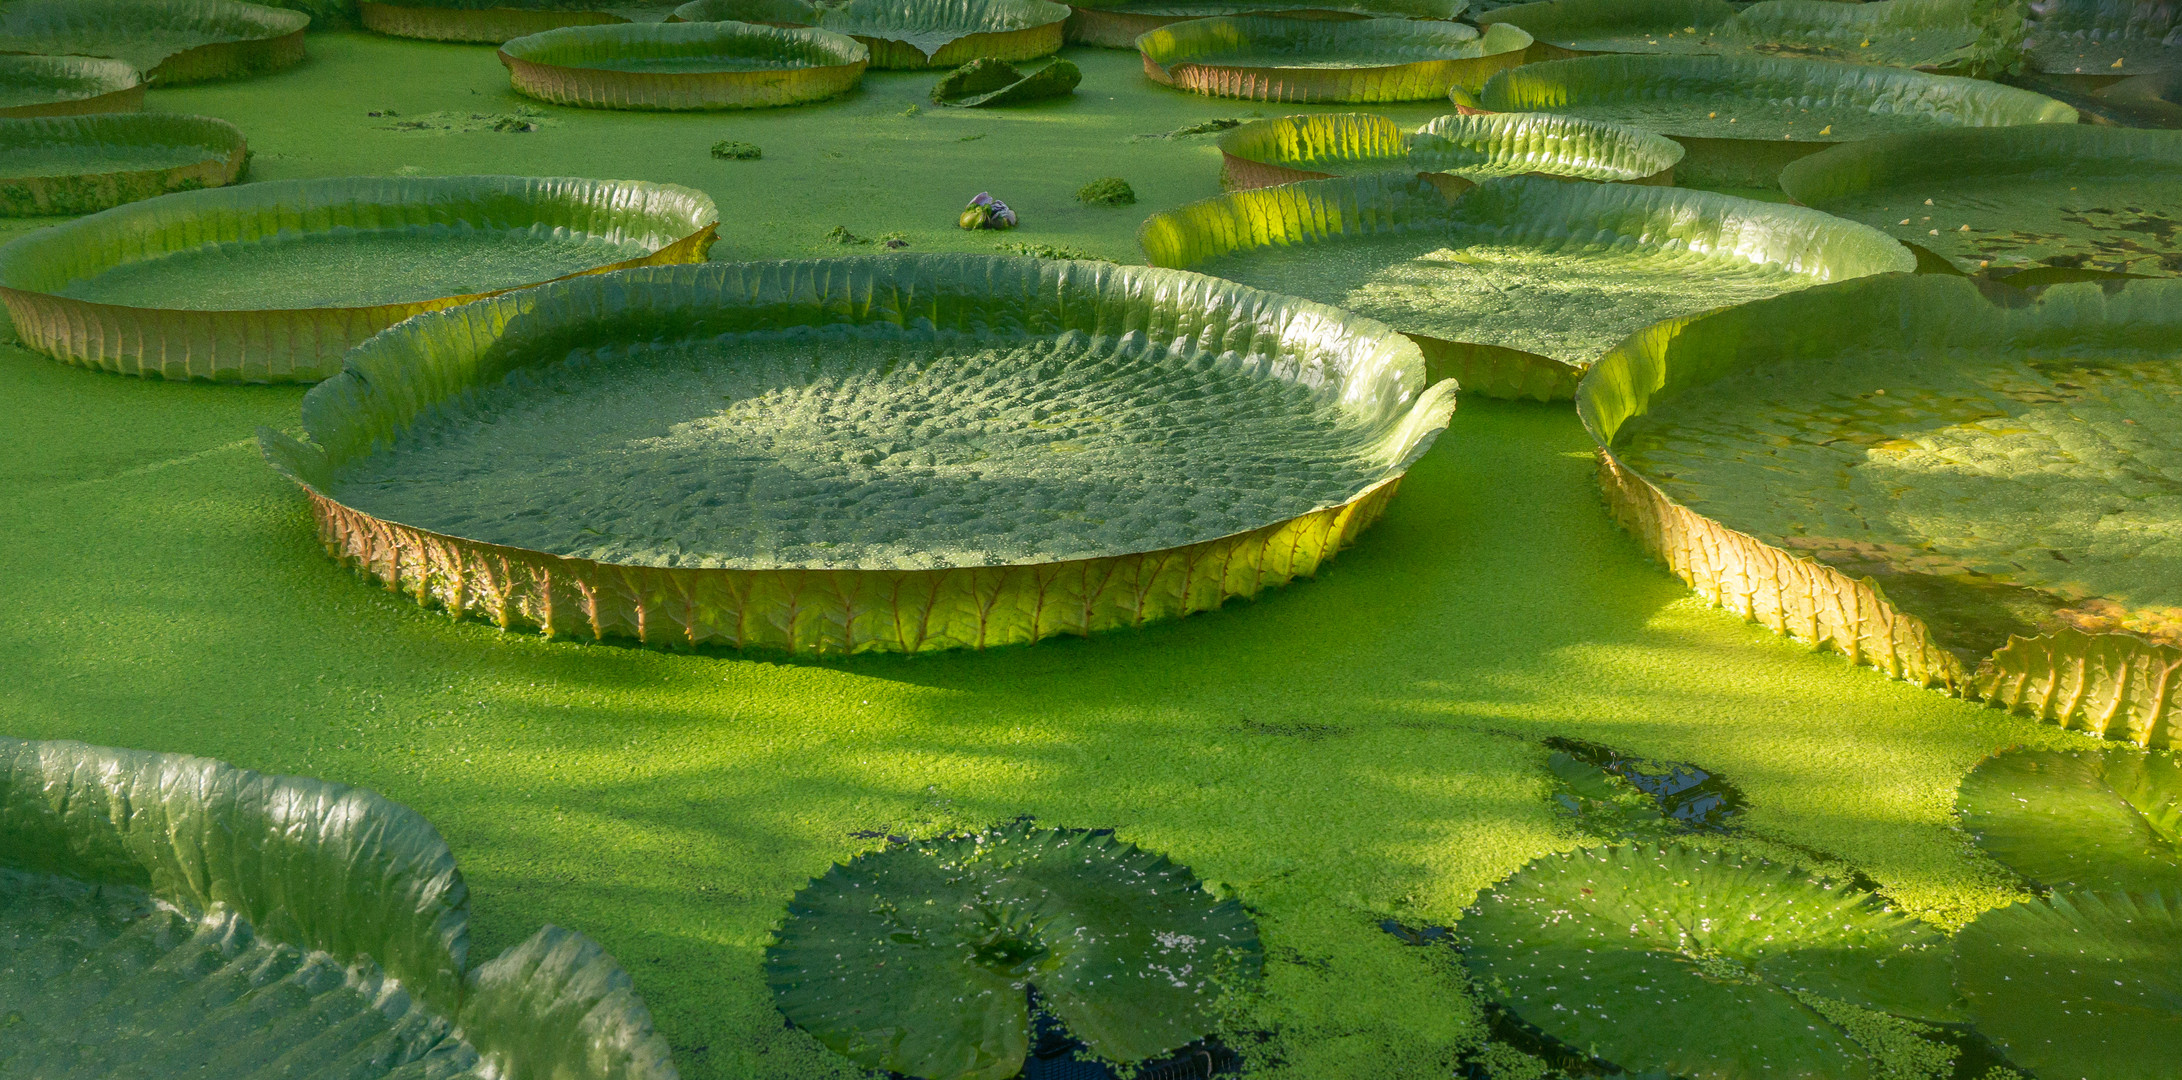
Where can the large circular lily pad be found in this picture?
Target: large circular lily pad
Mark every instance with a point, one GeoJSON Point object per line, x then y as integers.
{"type": "Point", "coordinates": [911, 34]}
{"type": "Point", "coordinates": [80, 164]}
{"type": "Point", "coordinates": [1688, 963]}
{"type": "Point", "coordinates": [726, 65]}
{"type": "Point", "coordinates": [272, 282]}
{"type": "Point", "coordinates": [2098, 820]}
{"type": "Point", "coordinates": [163, 915]}
{"type": "Point", "coordinates": [919, 958]}
{"type": "Point", "coordinates": [494, 22]}
{"type": "Point", "coordinates": [1962, 491]}
{"type": "Point", "coordinates": [1967, 37]}
{"type": "Point", "coordinates": [2044, 195]}
{"type": "Point", "coordinates": [894, 453]}
{"type": "Point", "coordinates": [67, 86]}
{"type": "Point", "coordinates": [170, 41]}
{"type": "Point", "coordinates": [1514, 286]}
{"type": "Point", "coordinates": [1306, 60]}
{"type": "Point", "coordinates": [1116, 24]}
{"type": "Point", "coordinates": [1743, 119]}
{"type": "Point", "coordinates": [1325, 145]}
{"type": "Point", "coordinates": [2084, 985]}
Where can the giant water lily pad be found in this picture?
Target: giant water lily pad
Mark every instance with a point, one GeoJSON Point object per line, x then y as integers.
{"type": "Point", "coordinates": [999, 450]}
{"type": "Point", "coordinates": [1689, 963]}
{"type": "Point", "coordinates": [1743, 119]}
{"type": "Point", "coordinates": [1325, 145]}
{"type": "Point", "coordinates": [170, 41]}
{"type": "Point", "coordinates": [911, 34]}
{"type": "Point", "coordinates": [1305, 60]}
{"type": "Point", "coordinates": [1116, 24]}
{"type": "Point", "coordinates": [2106, 821]}
{"type": "Point", "coordinates": [2084, 985]}
{"type": "Point", "coordinates": [684, 65]}
{"type": "Point", "coordinates": [163, 915]}
{"type": "Point", "coordinates": [2067, 195]}
{"type": "Point", "coordinates": [79, 164]}
{"type": "Point", "coordinates": [493, 22]}
{"type": "Point", "coordinates": [1568, 28]}
{"type": "Point", "coordinates": [1962, 491]}
{"type": "Point", "coordinates": [272, 282]}
{"type": "Point", "coordinates": [918, 958]}
{"type": "Point", "coordinates": [67, 86]}
{"type": "Point", "coordinates": [1515, 285]}
{"type": "Point", "coordinates": [1972, 37]}
{"type": "Point", "coordinates": [2105, 40]}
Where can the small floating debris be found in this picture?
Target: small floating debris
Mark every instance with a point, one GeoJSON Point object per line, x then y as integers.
{"type": "Point", "coordinates": [1107, 191]}
{"type": "Point", "coordinates": [986, 212]}
{"type": "Point", "coordinates": [732, 150]}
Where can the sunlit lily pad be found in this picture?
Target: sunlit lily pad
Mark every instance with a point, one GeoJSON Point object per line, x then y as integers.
{"type": "Point", "coordinates": [1689, 963]}
{"type": "Point", "coordinates": [170, 41]}
{"type": "Point", "coordinates": [2105, 39]}
{"type": "Point", "coordinates": [1306, 60]}
{"type": "Point", "coordinates": [668, 66]}
{"type": "Point", "coordinates": [272, 282]}
{"type": "Point", "coordinates": [1970, 37]}
{"type": "Point", "coordinates": [911, 34]}
{"type": "Point", "coordinates": [1325, 145]}
{"type": "Point", "coordinates": [79, 164]}
{"type": "Point", "coordinates": [1743, 119]}
{"type": "Point", "coordinates": [67, 86]}
{"type": "Point", "coordinates": [2105, 821]}
{"type": "Point", "coordinates": [1514, 286]}
{"type": "Point", "coordinates": [163, 915]}
{"type": "Point", "coordinates": [493, 22]}
{"type": "Point", "coordinates": [2070, 195]}
{"type": "Point", "coordinates": [918, 958]}
{"type": "Point", "coordinates": [1002, 451]}
{"type": "Point", "coordinates": [1116, 24]}
{"type": "Point", "coordinates": [1924, 478]}
{"type": "Point", "coordinates": [2084, 985]}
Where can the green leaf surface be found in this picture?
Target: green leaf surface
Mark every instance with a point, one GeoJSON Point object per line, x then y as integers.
{"type": "Point", "coordinates": [1601, 26]}
{"type": "Point", "coordinates": [2066, 195]}
{"type": "Point", "coordinates": [986, 82]}
{"type": "Point", "coordinates": [918, 958]}
{"type": "Point", "coordinates": [928, 27]}
{"type": "Point", "coordinates": [81, 164]}
{"type": "Point", "coordinates": [2106, 821]}
{"type": "Point", "coordinates": [1205, 9]}
{"type": "Point", "coordinates": [2084, 985]}
{"type": "Point", "coordinates": [2106, 37]}
{"type": "Point", "coordinates": [147, 33]}
{"type": "Point", "coordinates": [62, 85]}
{"type": "Point", "coordinates": [1284, 59]}
{"type": "Point", "coordinates": [1962, 36]}
{"type": "Point", "coordinates": [1687, 962]}
{"type": "Point", "coordinates": [1554, 270]}
{"type": "Point", "coordinates": [725, 65]}
{"type": "Point", "coordinates": [1473, 147]}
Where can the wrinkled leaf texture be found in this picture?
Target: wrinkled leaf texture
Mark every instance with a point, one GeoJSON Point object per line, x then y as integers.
{"type": "Point", "coordinates": [35, 152]}
{"type": "Point", "coordinates": [603, 66]}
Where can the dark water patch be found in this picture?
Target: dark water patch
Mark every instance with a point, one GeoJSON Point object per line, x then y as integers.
{"type": "Point", "coordinates": [1693, 798]}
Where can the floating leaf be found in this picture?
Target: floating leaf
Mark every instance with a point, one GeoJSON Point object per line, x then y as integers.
{"type": "Point", "coordinates": [496, 21]}
{"type": "Point", "coordinates": [1325, 145]}
{"type": "Point", "coordinates": [77, 165]}
{"type": "Point", "coordinates": [1307, 60]}
{"type": "Point", "coordinates": [67, 86]}
{"type": "Point", "coordinates": [1971, 37]}
{"type": "Point", "coordinates": [170, 41]}
{"type": "Point", "coordinates": [684, 65]}
{"type": "Point", "coordinates": [1688, 962]}
{"type": "Point", "coordinates": [1116, 24]}
{"type": "Point", "coordinates": [2083, 985]}
{"type": "Point", "coordinates": [917, 958]}
{"type": "Point", "coordinates": [987, 82]}
{"type": "Point", "coordinates": [2105, 39]}
{"type": "Point", "coordinates": [912, 33]}
{"type": "Point", "coordinates": [2083, 820]}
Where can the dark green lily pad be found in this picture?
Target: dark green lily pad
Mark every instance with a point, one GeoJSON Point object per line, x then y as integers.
{"type": "Point", "coordinates": [2105, 38]}
{"type": "Point", "coordinates": [68, 86]}
{"type": "Point", "coordinates": [1969, 37]}
{"type": "Point", "coordinates": [986, 81]}
{"type": "Point", "coordinates": [2084, 985]}
{"type": "Point", "coordinates": [918, 958]}
{"type": "Point", "coordinates": [170, 41]}
{"type": "Point", "coordinates": [1689, 962]}
{"type": "Point", "coordinates": [2087, 820]}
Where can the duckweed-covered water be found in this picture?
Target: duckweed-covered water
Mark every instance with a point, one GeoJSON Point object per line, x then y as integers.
{"type": "Point", "coordinates": [1569, 302]}
{"type": "Point", "coordinates": [347, 268]}
{"type": "Point", "coordinates": [844, 448]}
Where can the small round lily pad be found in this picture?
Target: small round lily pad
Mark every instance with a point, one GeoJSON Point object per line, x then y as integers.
{"type": "Point", "coordinates": [1308, 60]}
{"type": "Point", "coordinates": [679, 66]}
{"type": "Point", "coordinates": [918, 958]}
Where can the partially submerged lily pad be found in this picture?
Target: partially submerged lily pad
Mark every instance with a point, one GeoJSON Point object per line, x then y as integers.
{"type": "Point", "coordinates": [2082, 985]}
{"type": "Point", "coordinates": [1152, 426]}
{"type": "Point", "coordinates": [1325, 145]}
{"type": "Point", "coordinates": [987, 82]}
{"type": "Point", "coordinates": [2105, 40]}
{"type": "Point", "coordinates": [2069, 195]}
{"type": "Point", "coordinates": [1692, 964]}
{"type": "Point", "coordinates": [1966, 37]}
{"type": "Point", "coordinates": [299, 270]}
{"type": "Point", "coordinates": [170, 41]}
{"type": "Point", "coordinates": [80, 164]}
{"type": "Point", "coordinates": [493, 22]}
{"type": "Point", "coordinates": [1306, 60]}
{"type": "Point", "coordinates": [67, 86]}
{"type": "Point", "coordinates": [1961, 491]}
{"type": "Point", "coordinates": [1743, 119]}
{"type": "Point", "coordinates": [2106, 820]}
{"type": "Point", "coordinates": [919, 958]}
{"type": "Point", "coordinates": [1515, 285]}
{"type": "Point", "coordinates": [1116, 24]}
{"type": "Point", "coordinates": [911, 34]}
{"type": "Point", "coordinates": [163, 915]}
{"type": "Point", "coordinates": [727, 65]}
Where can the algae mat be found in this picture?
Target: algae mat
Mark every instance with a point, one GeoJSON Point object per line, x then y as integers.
{"type": "Point", "coordinates": [165, 592]}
